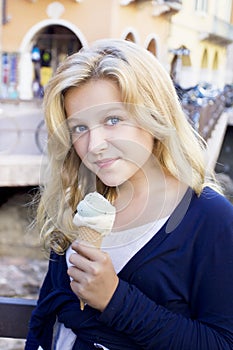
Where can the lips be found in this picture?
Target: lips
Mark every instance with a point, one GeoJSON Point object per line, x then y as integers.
{"type": "Point", "coordinates": [106, 163]}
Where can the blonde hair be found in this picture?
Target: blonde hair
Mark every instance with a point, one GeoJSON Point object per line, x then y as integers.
{"type": "Point", "coordinates": [143, 83]}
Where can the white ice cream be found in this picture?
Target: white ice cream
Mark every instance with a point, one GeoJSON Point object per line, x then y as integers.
{"type": "Point", "coordinates": [96, 212]}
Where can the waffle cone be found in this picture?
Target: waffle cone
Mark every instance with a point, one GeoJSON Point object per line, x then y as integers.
{"type": "Point", "coordinates": [89, 235]}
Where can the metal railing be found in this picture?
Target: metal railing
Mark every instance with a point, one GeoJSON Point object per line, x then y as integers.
{"type": "Point", "coordinates": [15, 315]}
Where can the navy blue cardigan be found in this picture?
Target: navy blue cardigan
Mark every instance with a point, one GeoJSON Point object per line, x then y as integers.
{"type": "Point", "coordinates": [176, 293]}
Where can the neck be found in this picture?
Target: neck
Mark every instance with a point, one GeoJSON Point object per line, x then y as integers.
{"type": "Point", "coordinates": [150, 195]}
{"type": "Point", "coordinates": [134, 195]}
{"type": "Point", "coordinates": [149, 179]}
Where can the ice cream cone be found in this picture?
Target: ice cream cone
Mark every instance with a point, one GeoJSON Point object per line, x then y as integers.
{"type": "Point", "coordinates": [94, 219]}
{"type": "Point", "coordinates": [91, 236]}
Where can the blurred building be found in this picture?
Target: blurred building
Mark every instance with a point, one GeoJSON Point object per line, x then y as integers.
{"type": "Point", "coordinates": [200, 40]}
{"type": "Point", "coordinates": [191, 38]}
{"type": "Point", "coordinates": [38, 34]}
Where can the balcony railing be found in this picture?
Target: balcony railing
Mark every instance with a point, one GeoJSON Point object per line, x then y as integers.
{"type": "Point", "coordinates": [222, 29]}
{"type": "Point", "coordinates": [166, 6]}
{"type": "Point", "coordinates": [220, 32]}
{"type": "Point", "coordinates": [177, 3]}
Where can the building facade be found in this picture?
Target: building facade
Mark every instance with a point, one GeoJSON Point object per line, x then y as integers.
{"type": "Point", "coordinates": [38, 34]}
{"type": "Point", "coordinates": [205, 29]}
{"type": "Point", "coordinates": [191, 38]}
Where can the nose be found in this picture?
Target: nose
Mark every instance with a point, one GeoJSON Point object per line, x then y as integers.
{"type": "Point", "coordinates": [97, 140]}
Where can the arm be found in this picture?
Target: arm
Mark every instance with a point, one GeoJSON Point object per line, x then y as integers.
{"type": "Point", "coordinates": [154, 327]}
{"type": "Point", "coordinates": [32, 342]}
{"type": "Point", "coordinates": [52, 297]}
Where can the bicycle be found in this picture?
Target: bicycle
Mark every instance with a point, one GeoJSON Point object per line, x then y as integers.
{"type": "Point", "coordinates": [41, 137]}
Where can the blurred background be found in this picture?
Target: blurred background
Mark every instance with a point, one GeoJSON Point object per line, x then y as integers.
{"type": "Point", "coordinates": [193, 39]}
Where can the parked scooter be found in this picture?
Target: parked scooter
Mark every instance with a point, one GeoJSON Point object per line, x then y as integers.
{"type": "Point", "coordinates": [194, 99]}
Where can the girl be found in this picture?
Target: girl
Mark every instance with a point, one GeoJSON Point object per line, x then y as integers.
{"type": "Point", "coordinates": [163, 277]}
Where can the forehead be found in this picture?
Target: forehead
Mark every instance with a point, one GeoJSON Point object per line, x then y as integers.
{"type": "Point", "coordinates": [94, 93]}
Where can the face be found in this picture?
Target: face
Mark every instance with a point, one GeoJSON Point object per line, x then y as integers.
{"type": "Point", "coordinates": [104, 134]}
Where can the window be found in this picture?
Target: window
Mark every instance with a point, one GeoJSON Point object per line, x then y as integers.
{"type": "Point", "coordinates": [152, 47]}
{"type": "Point", "coordinates": [179, 1]}
{"type": "Point", "coordinates": [201, 5]}
{"type": "Point", "coordinates": [223, 10]}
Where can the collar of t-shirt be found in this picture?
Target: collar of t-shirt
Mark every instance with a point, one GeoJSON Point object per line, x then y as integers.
{"type": "Point", "coordinates": [123, 245]}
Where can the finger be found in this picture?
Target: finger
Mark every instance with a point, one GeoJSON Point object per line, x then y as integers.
{"type": "Point", "coordinates": [78, 289]}
{"type": "Point", "coordinates": [75, 273]}
{"type": "Point", "coordinates": [76, 243]}
{"type": "Point", "coordinates": [80, 262]}
{"type": "Point", "coordinates": [86, 250]}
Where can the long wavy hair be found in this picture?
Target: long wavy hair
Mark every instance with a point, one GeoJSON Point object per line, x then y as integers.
{"type": "Point", "coordinates": [145, 86]}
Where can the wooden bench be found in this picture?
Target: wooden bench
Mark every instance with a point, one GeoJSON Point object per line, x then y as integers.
{"type": "Point", "coordinates": [14, 317]}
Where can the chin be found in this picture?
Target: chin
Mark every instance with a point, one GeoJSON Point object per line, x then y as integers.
{"type": "Point", "coordinates": [112, 182]}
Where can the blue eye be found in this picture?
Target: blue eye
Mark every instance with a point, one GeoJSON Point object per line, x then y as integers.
{"type": "Point", "coordinates": [113, 121]}
{"type": "Point", "coordinates": [78, 129]}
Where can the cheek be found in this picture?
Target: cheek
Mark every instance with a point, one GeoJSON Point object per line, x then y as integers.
{"type": "Point", "coordinates": [145, 144]}
{"type": "Point", "coordinates": [138, 145]}
{"type": "Point", "coordinates": [80, 146]}
{"type": "Point", "coordinates": [146, 139]}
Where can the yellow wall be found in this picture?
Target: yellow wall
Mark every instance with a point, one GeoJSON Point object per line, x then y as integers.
{"type": "Point", "coordinates": [95, 19]}
{"type": "Point", "coordinates": [107, 19]}
{"type": "Point", "coordinates": [89, 20]}
{"type": "Point", "coordinates": [191, 29]}
{"type": "Point", "coordinates": [25, 14]}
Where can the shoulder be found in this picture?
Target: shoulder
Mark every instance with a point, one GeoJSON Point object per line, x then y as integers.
{"type": "Point", "coordinates": [213, 203]}
{"type": "Point", "coordinates": [210, 210]}
{"type": "Point", "coordinates": [212, 216]}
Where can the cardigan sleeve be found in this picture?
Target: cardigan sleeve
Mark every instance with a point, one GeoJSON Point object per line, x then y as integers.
{"type": "Point", "coordinates": [32, 342]}
{"type": "Point", "coordinates": [153, 326]}
{"type": "Point", "coordinates": [43, 318]}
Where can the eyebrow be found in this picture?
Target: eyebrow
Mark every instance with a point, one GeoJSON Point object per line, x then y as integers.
{"type": "Point", "coordinates": [80, 117]}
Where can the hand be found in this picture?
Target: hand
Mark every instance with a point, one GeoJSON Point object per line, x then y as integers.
{"type": "Point", "coordinates": [93, 276]}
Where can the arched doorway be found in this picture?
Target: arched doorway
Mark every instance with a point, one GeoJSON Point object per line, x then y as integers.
{"type": "Point", "coordinates": [215, 65]}
{"type": "Point", "coordinates": [42, 50]}
{"type": "Point", "coordinates": [51, 45]}
{"type": "Point", "coordinates": [216, 71]}
{"type": "Point", "coordinates": [204, 60]}
{"type": "Point", "coordinates": [205, 73]}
